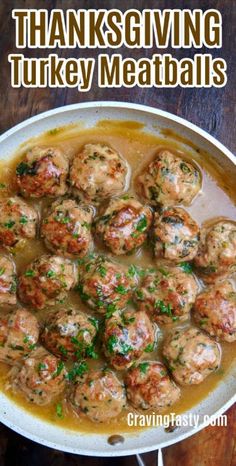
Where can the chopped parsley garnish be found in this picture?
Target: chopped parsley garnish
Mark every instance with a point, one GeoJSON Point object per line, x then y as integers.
{"type": "Point", "coordinates": [41, 366]}
{"type": "Point", "coordinates": [9, 224]}
{"type": "Point", "coordinates": [23, 220]}
{"type": "Point", "coordinates": [51, 274]}
{"type": "Point", "coordinates": [149, 348]}
{"type": "Point", "coordinates": [78, 369]}
{"type": "Point", "coordinates": [165, 309]}
{"type": "Point", "coordinates": [59, 410]}
{"type": "Point", "coordinates": [111, 343]}
{"type": "Point", "coordinates": [22, 169]}
{"type": "Point", "coordinates": [60, 367]}
{"type": "Point", "coordinates": [121, 289]}
{"type": "Point", "coordinates": [111, 308]}
{"type": "Point", "coordinates": [2, 270]}
{"type": "Point", "coordinates": [102, 271]}
{"type": "Point", "coordinates": [142, 224]}
{"type": "Point", "coordinates": [143, 367]}
{"type": "Point", "coordinates": [186, 267]}
{"type": "Point", "coordinates": [30, 273]}
{"type": "Point", "coordinates": [91, 353]}
{"type": "Point", "coordinates": [63, 350]}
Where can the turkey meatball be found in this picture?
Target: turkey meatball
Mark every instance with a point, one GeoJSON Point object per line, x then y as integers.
{"type": "Point", "coordinates": [41, 378]}
{"type": "Point", "coordinates": [69, 333]}
{"type": "Point", "coordinates": [167, 294]}
{"type": "Point", "coordinates": [176, 235]}
{"type": "Point", "coordinates": [18, 221]}
{"type": "Point", "coordinates": [97, 172]}
{"type": "Point", "coordinates": [46, 281]}
{"type": "Point", "coordinates": [191, 355]}
{"type": "Point", "coordinates": [67, 229]}
{"type": "Point", "coordinates": [101, 396]}
{"type": "Point", "coordinates": [43, 172]}
{"type": "Point", "coordinates": [169, 180]}
{"type": "Point", "coordinates": [124, 225]}
{"type": "Point", "coordinates": [216, 257]}
{"type": "Point", "coordinates": [215, 311]}
{"type": "Point", "coordinates": [19, 332]}
{"type": "Point", "coordinates": [128, 335]}
{"type": "Point", "coordinates": [149, 386]}
{"type": "Point", "coordinates": [7, 281]}
{"type": "Point", "coordinates": [105, 285]}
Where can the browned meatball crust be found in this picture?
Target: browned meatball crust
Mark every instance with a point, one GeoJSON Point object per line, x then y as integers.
{"type": "Point", "coordinates": [69, 333]}
{"type": "Point", "coordinates": [19, 332]}
{"type": "Point", "coordinates": [46, 281]}
{"type": "Point", "coordinates": [124, 225]}
{"type": "Point", "coordinates": [191, 355]}
{"type": "Point", "coordinates": [216, 257]}
{"type": "Point", "coordinates": [215, 311]}
{"type": "Point", "coordinates": [149, 386]}
{"type": "Point", "coordinates": [97, 172]}
{"type": "Point", "coordinates": [18, 221]}
{"type": "Point", "coordinates": [41, 378]}
{"type": "Point", "coordinates": [101, 396]}
{"type": "Point", "coordinates": [67, 229]}
{"type": "Point", "coordinates": [176, 235]}
{"type": "Point", "coordinates": [167, 294]}
{"type": "Point", "coordinates": [169, 180]}
{"type": "Point", "coordinates": [105, 285]}
{"type": "Point", "coordinates": [128, 335]}
{"type": "Point", "coordinates": [43, 172]}
{"type": "Point", "coordinates": [7, 280]}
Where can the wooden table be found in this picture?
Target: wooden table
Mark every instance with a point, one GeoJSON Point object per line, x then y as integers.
{"type": "Point", "coordinates": [211, 109]}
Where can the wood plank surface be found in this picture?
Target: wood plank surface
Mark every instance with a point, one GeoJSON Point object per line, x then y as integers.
{"type": "Point", "coordinates": [212, 109]}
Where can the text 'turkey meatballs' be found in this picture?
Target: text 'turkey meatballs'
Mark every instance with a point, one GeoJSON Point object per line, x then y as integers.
{"type": "Point", "coordinates": [67, 228]}
{"type": "Point", "coordinates": [169, 180]}
{"type": "Point", "coordinates": [43, 172]}
{"type": "Point", "coordinates": [98, 172]}
{"type": "Point", "coordinates": [124, 225]}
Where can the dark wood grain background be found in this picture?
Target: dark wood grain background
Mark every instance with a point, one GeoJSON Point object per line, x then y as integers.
{"type": "Point", "coordinates": [212, 109]}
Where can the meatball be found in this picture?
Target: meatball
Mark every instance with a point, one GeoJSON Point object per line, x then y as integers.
{"type": "Point", "coordinates": [169, 180]}
{"type": "Point", "coordinates": [176, 235]}
{"type": "Point", "coordinates": [101, 396]}
{"type": "Point", "coordinates": [215, 311]}
{"type": "Point", "coordinates": [43, 172]}
{"type": "Point", "coordinates": [167, 294]}
{"type": "Point", "coordinates": [69, 333]}
{"type": "Point", "coordinates": [216, 257]}
{"type": "Point", "coordinates": [19, 332]}
{"type": "Point", "coordinates": [46, 281]}
{"type": "Point", "coordinates": [7, 280]}
{"type": "Point", "coordinates": [97, 172]}
{"type": "Point", "coordinates": [124, 225]}
{"type": "Point", "coordinates": [105, 285]}
{"type": "Point", "coordinates": [128, 335]}
{"type": "Point", "coordinates": [18, 221]}
{"type": "Point", "coordinates": [41, 378]}
{"type": "Point", "coordinates": [191, 355]}
{"type": "Point", "coordinates": [149, 386]}
{"type": "Point", "coordinates": [67, 229]}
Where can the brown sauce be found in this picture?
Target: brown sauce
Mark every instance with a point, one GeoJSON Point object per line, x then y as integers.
{"type": "Point", "coordinates": [217, 199]}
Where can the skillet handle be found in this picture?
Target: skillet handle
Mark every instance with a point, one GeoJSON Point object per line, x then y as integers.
{"type": "Point", "coordinates": [159, 459]}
